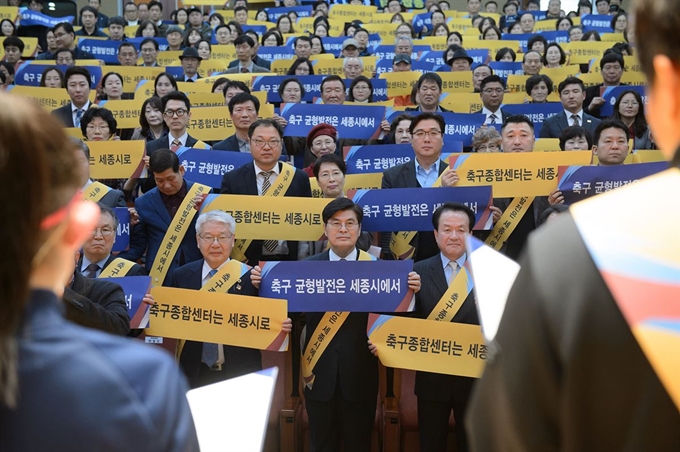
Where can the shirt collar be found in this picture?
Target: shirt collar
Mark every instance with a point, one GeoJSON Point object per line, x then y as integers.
{"type": "Point", "coordinates": [249, 67]}
{"type": "Point", "coordinates": [258, 170]}
{"type": "Point", "coordinates": [460, 261]}
{"type": "Point", "coordinates": [488, 112]}
{"type": "Point", "coordinates": [182, 140]}
{"type": "Point", "coordinates": [87, 262]}
{"type": "Point", "coordinates": [75, 109]}
{"type": "Point", "coordinates": [206, 268]}
{"type": "Point", "coordinates": [579, 114]}
{"type": "Point", "coordinates": [435, 165]}
{"type": "Point", "coordinates": [334, 257]}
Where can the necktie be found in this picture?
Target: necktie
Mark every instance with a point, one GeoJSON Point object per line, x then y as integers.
{"type": "Point", "coordinates": [91, 270]}
{"type": "Point", "coordinates": [452, 268]}
{"type": "Point", "coordinates": [244, 70]}
{"type": "Point", "coordinates": [492, 119]}
{"type": "Point", "coordinates": [576, 121]}
{"type": "Point", "coordinates": [175, 145]}
{"type": "Point", "coordinates": [210, 352]}
{"type": "Point", "coordinates": [269, 245]}
{"type": "Point", "coordinates": [189, 80]}
{"type": "Point", "coordinates": [79, 115]}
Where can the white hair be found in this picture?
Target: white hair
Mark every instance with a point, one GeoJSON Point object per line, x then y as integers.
{"type": "Point", "coordinates": [215, 216]}
{"type": "Point", "coordinates": [348, 60]}
{"type": "Point", "coordinates": [403, 38]}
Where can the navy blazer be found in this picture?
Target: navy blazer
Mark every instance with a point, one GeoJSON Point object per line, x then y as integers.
{"type": "Point", "coordinates": [136, 270]}
{"type": "Point", "coordinates": [65, 115]}
{"type": "Point", "coordinates": [154, 145]}
{"type": "Point", "coordinates": [228, 144]}
{"type": "Point", "coordinates": [237, 360]}
{"type": "Point", "coordinates": [554, 125]}
{"type": "Point", "coordinates": [431, 386]}
{"type": "Point", "coordinates": [404, 176]}
{"type": "Point", "coordinates": [148, 234]}
{"type": "Point", "coordinates": [241, 181]}
{"type": "Point", "coordinates": [346, 357]}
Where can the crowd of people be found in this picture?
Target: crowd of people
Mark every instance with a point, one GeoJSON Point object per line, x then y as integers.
{"type": "Point", "coordinates": [60, 229]}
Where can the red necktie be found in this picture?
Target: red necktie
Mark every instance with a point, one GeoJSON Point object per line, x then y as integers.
{"type": "Point", "coordinates": [175, 145]}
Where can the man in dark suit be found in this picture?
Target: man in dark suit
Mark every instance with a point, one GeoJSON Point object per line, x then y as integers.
{"type": "Point", "coordinates": [244, 52]}
{"type": "Point", "coordinates": [492, 89]}
{"type": "Point", "coordinates": [77, 80]}
{"type": "Point", "coordinates": [429, 88]}
{"type": "Point", "coordinates": [572, 94]}
{"type": "Point", "coordinates": [191, 61]}
{"type": "Point", "coordinates": [65, 38]}
{"type": "Point", "coordinates": [252, 178]}
{"type": "Point", "coordinates": [215, 236]}
{"type": "Point", "coordinates": [427, 132]}
{"type": "Point", "coordinates": [156, 210]}
{"type": "Point", "coordinates": [611, 67]}
{"type": "Point", "coordinates": [243, 109]}
{"type": "Point", "coordinates": [438, 393]}
{"type": "Point", "coordinates": [96, 304]}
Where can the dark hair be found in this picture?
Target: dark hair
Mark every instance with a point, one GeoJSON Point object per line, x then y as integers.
{"type": "Point", "coordinates": [109, 74]}
{"type": "Point", "coordinates": [622, 47]}
{"type": "Point", "coordinates": [298, 62]}
{"type": "Point", "coordinates": [68, 28]}
{"type": "Point", "coordinates": [236, 84]}
{"type": "Point", "coordinates": [560, 19]}
{"type": "Point", "coordinates": [48, 69]}
{"type": "Point", "coordinates": [156, 103]}
{"type": "Point", "coordinates": [434, 29]}
{"type": "Point", "coordinates": [332, 78]}
{"type": "Point", "coordinates": [534, 39]}
{"type": "Point", "coordinates": [143, 25]}
{"type": "Point", "coordinates": [153, 3]}
{"type": "Point", "coordinates": [88, 9]}
{"type": "Point", "coordinates": [494, 28]}
{"type": "Point", "coordinates": [391, 136]}
{"type": "Point", "coordinates": [237, 26]}
{"type": "Point", "coordinates": [163, 160]}
{"type": "Point", "coordinates": [588, 34]}
{"type": "Point", "coordinates": [244, 39]}
{"type": "Point", "coordinates": [77, 70]}
{"type": "Point", "coordinates": [357, 79]}
{"type": "Point", "coordinates": [453, 207]}
{"type": "Point", "coordinates": [285, 82]}
{"type": "Point", "coordinates": [261, 11]}
{"type": "Point", "coordinates": [340, 205]}
{"type": "Point", "coordinates": [612, 56]}
{"type": "Point", "coordinates": [149, 40]}
{"type": "Point", "coordinates": [58, 51]}
{"type": "Point", "coordinates": [218, 82]}
{"type": "Point", "coordinates": [175, 95]}
{"type": "Point", "coordinates": [572, 132]}
{"type": "Point", "coordinates": [570, 81]}
{"type": "Point", "coordinates": [278, 22]}
{"type": "Point", "coordinates": [563, 55]}
{"type": "Point", "coordinates": [406, 24]}
{"type": "Point", "coordinates": [535, 80]}
{"type": "Point", "coordinates": [279, 38]}
{"type": "Point", "coordinates": [102, 113]}
{"type": "Point", "coordinates": [14, 27]}
{"type": "Point", "coordinates": [492, 23]}
{"type": "Point", "coordinates": [238, 8]}
{"type": "Point", "coordinates": [173, 82]}
{"type": "Point", "coordinates": [483, 65]}
{"type": "Point", "coordinates": [609, 124]}
{"type": "Point", "coordinates": [14, 42]}
{"type": "Point", "coordinates": [302, 38]}
{"type": "Point", "coordinates": [491, 79]}
{"type": "Point", "coordinates": [513, 25]}
{"type": "Point", "coordinates": [556, 208]}
{"type": "Point", "coordinates": [429, 77]}
{"type": "Point", "coordinates": [501, 53]}
{"type": "Point", "coordinates": [517, 119]}
{"type": "Point", "coordinates": [615, 17]}
{"type": "Point", "coordinates": [415, 120]}
{"type": "Point", "coordinates": [266, 122]}
{"type": "Point", "coordinates": [640, 123]}
{"type": "Point", "coordinates": [242, 98]}
{"type": "Point", "coordinates": [457, 34]}
{"type": "Point", "coordinates": [197, 43]}
{"type": "Point", "coordinates": [117, 20]}
{"type": "Point", "coordinates": [189, 32]}
{"type": "Point", "coordinates": [329, 158]}
{"type": "Point", "coordinates": [126, 44]}
{"type": "Point", "coordinates": [658, 23]}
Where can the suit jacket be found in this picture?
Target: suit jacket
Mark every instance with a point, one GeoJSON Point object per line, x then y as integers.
{"type": "Point", "coordinates": [180, 78]}
{"type": "Point", "coordinates": [347, 357]}
{"type": "Point", "coordinates": [237, 70]}
{"type": "Point", "coordinates": [565, 371]}
{"type": "Point", "coordinates": [257, 60]}
{"type": "Point", "coordinates": [228, 144]}
{"type": "Point", "coordinates": [237, 360]}
{"type": "Point", "coordinates": [431, 386]}
{"type": "Point", "coordinates": [504, 115]}
{"type": "Point", "coordinates": [114, 198]}
{"type": "Point", "coordinates": [65, 115]}
{"type": "Point", "coordinates": [591, 93]}
{"type": "Point", "coordinates": [554, 125]}
{"type": "Point", "coordinates": [154, 145]}
{"type": "Point", "coordinates": [242, 181]}
{"type": "Point", "coordinates": [148, 234]}
{"type": "Point", "coordinates": [140, 386]}
{"type": "Point", "coordinates": [515, 243]}
{"type": "Point", "coordinates": [136, 270]}
{"type": "Point", "coordinates": [417, 108]}
{"type": "Point", "coordinates": [97, 304]}
{"type": "Point", "coordinates": [404, 176]}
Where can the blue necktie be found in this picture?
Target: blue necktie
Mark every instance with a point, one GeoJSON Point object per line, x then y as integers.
{"type": "Point", "coordinates": [210, 353]}
{"type": "Point", "coordinates": [79, 114]}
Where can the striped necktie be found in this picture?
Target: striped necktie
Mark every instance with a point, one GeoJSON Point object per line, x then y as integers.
{"type": "Point", "coordinates": [269, 245]}
{"type": "Point", "coordinates": [210, 352]}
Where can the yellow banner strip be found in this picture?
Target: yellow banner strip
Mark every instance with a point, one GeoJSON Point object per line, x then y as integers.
{"type": "Point", "coordinates": [509, 221]}
{"type": "Point", "coordinates": [118, 268]}
{"type": "Point", "coordinates": [454, 297]}
{"type": "Point", "coordinates": [324, 332]}
{"type": "Point", "coordinates": [95, 191]}
{"type": "Point", "coordinates": [175, 233]}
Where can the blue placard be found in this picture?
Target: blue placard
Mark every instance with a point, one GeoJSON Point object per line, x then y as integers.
{"type": "Point", "coordinates": [581, 182]}
{"type": "Point", "coordinates": [207, 166]}
{"type": "Point", "coordinates": [599, 22]}
{"type": "Point", "coordinates": [387, 52]}
{"type": "Point", "coordinates": [271, 53]}
{"type": "Point", "coordinates": [411, 209]}
{"type": "Point", "coordinates": [135, 288]}
{"type": "Point", "coordinates": [270, 84]}
{"type": "Point", "coordinates": [558, 36]}
{"type": "Point", "coordinates": [331, 44]}
{"type": "Point", "coordinates": [538, 15]}
{"type": "Point", "coordinates": [377, 158]}
{"type": "Point", "coordinates": [421, 21]}
{"type": "Point", "coordinates": [351, 121]}
{"type": "Point", "coordinates": [30, 74]}
{"type": "Point", "coordinates": [611, 93]}
{"type": "Point", "coordinates": [505, 69]}
{"type": "Point", "coordinates": [459, 126]}
{"type": "Point", "coordinates": [275, 13]}
{"type": "Point", "coordinates": [162, 43]}
{"type": "Point", "coordinates": [436, 57]}
{"type": "Point", "coordinates": [538, 113]}
{"type": "Point", "coordinates": [30, 18]}
{"type": "Point", "coordinates": [328, 286]}
{"type": "Point", "coordinates": [176, 71]}
{"type": "Point", "coordinates": [523, 39]}
{"type": "Point", "coordinates": [123, 231]}
{"type": "Point", "coordinates": [259, 29]}
{"type": "Point", "coordinates": [107, 51]}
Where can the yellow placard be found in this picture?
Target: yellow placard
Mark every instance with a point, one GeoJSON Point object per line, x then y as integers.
{"type": "Point", "coordinates": [386, 18]}
{"type": "Point", "coordinates": [206, 99]}
{"type": "Point", "coordinates": [457, 82]}
{"type": "Point", "coordinates": [440, 347]}
{"type": "Point", "coordinates": [74, 132]}
{"type": "Point", "coordinates": [385, 103]}
{"type": "Point", "coordinates": [517, 83]}
{"type": "Point", "coordinates": [494, 46]}
{"type": "Point", "coordinates": [590, 79]}
{"type": "Point", "coordinates": [584, 51]}
{"type": "Point", "coordinates": [561, 73]}
{"type": "Point", "coordinates": [634, 78]}
{"type": "Point", "coordinates": [334, 66]}
{"type": "Point", "coordinates": [646, 156]}
{"type": "Point", "coordinates": [348, 13]}
{"type": "Point", "coordinates": [214, 123]}
{"type": "Point", "coordinates": [306, 25]}
{"type": "Point", "coordinates": [366, 181]}
{"type": "Point", "coordinates": [168, 57]}
{"type": "Point", "coordinates": [544, 25]}
{"type": "Point", "coordinates": [203, 316]}
{"type": "Point", "coordinates": [271, 217]}
{"type": "Point", "coordinates": [245, 78]}
{"type": "Point", "coordinates": [9, 12]}
{"type": "Point", "coordinates": [126, 112]}
{"type": "Point", "coordinates": [631, 63]}
{"type": "Point", "coordinates": [459, 24]}
{"type": "Point", "coordinates": [318, 56]}
{"type": "Point", "coordinates": [435, 42]}
{"type": "Point", "coordinates": [612, 37]}
{"type": "Point", "coordinates": [132, 75]}
{"type": "Point", "coordinates": [144, 90]}
{"type": "Point", "coordinates": [131, 31]}
{"type": "Point", "coordinates": [30, 47]}
{"type": "Point", "coordinates": [547, 144]}
{"type": "Point", "coordinates": [116, 159]}
{"type": "Point", "coordinates": [192, 87]}
{"type": "Point", "coordinates": [472, 102]}
{"type": "Point", "coordinates": [280, 67]}
{"type": "Point", "coordinates": [212, 66]}
{"type": "Point", "coordinates": [400, 83]}
{"type": "Point", "coordinates": [515, 174]}
{"type": "Point", "coordinates": [223, 52]}
{"type": "Point", "coordinates": [50, 98]}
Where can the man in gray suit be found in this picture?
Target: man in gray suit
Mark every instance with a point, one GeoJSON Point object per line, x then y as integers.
{"type": "Point", "coordinates": [244, 52]}
{"type": "Point", "coordinates": [572, 94]}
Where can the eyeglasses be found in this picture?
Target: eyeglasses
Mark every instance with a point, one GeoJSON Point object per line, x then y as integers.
{"type": "Point", "coordinates": [493, 91]}
{"type": "Point", "coordinates": [337, 225]}
{"type": "Point", "coordinates": [271, 143]}
{"type": "Point", "coordinates": [336, 174]}
{"type": "Point", "coordinates": [105, 231]}
{"type": "Point", "coordinates": [171, 113]}
{"type": "Point", "coordinates": [487, 148]}
{"type": "Point", "coordinates": [420, 134]}
{"type": "Point", "coordinates": [631, 103]}
{"type": "Point", "coordinates": [222, 240]}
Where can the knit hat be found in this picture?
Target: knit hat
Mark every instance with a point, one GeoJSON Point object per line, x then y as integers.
{"type": "Point", "coordinates": [321, 129]}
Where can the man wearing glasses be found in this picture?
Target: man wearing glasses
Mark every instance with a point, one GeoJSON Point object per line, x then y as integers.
{"type": "Point", "coordinates": [491, 90]}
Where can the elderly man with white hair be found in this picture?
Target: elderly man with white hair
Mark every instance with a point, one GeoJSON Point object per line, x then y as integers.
{"type": "Point", "coordinates": [352, 67]}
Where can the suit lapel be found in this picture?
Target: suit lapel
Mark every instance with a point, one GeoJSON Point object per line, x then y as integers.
{"type": "Point", "coordinates": [195, 279]}
{"type": "Point", "coordinates": [191, 141]}
{"type": "Point", "coordinates": [409, 174]}
{"type": "Point", "coordinates": [159, 207]}
{"type": "Point", "coordinates": [250, 178]}
{"type": "Point", "coordinates": [563, 123]}
{"type": "Point", "coordinates": [437, 276]}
